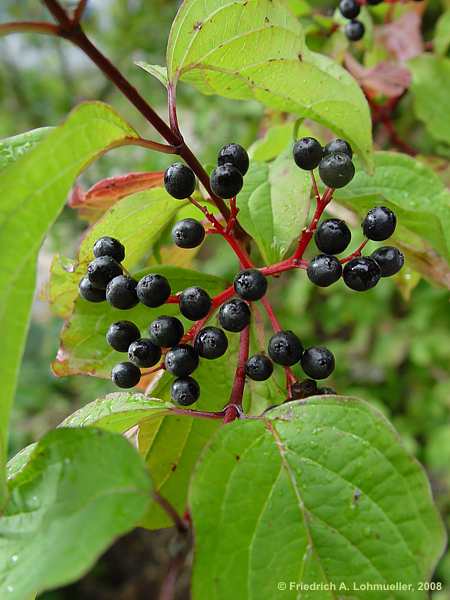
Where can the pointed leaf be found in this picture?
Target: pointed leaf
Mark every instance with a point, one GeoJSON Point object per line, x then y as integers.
{"type": "Point", "coordinates": [159, 72]}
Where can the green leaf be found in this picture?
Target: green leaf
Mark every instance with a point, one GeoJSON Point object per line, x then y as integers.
{"type": "Point", "coordinates": [442, 34]}
{"type": "Point", "coordinates": [160, 73]}
{"type": "Point", "coordinates": [274, 142]}
{"type": "Point", "coordinates": [274, 204]}
{"type": "Point", "coordinates": [13, 148]}
{"type": "Point", "coordinates": [79, 491]}
{"type": "Point", "coordinates": [430, 99]}
{"type": "Point", "coordinates": [334, 499]}
{"type": "Point", "coordinates": [255, 49]}
{"type": "Point", "coordinates": [30, 204]}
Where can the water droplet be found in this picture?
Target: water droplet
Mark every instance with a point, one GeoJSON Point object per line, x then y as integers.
{"type": "Point", "coordinates": [10, 589]}
{"type": "Point", "coordinates": [14, 558]}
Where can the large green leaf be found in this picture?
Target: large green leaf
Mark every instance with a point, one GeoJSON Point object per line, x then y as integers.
{"type": "Point", "coordinates": [318, 492]}
{"type": "Point", "coordinates": [14, 147]}
{"type": "Point", "coordinates": [79, 490]}
{"type": "Point", "coordinates": [245, 49]}
{"type": "Point", "coordinates": [33, 192]}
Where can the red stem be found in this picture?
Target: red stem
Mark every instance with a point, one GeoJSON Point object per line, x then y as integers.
{"type": "Point", "coordinates": [354, 254]}
{"type": "Point", "coordinates": [308, 233]}
{"type": "Point", "coordinates": [234, 406]}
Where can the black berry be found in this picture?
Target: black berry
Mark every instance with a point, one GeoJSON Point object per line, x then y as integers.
{"type": "Point", "coordinates": [361, 274]}
{"type": "Point", "coordinates": [121, 292]}
{"type": "Point", "coordinates": [195, 303]}
{"type": "Point", "coordinates": [211, 343]}
{"type": "Point", "coordinates": [338, 145]}
{"type": "Point", "coordinates": [143, 353]}
{"type": "Point", "coordinates": [285, 348]}
{"type": "Point", "coordinates": [179, 181]}
{"type": "Point", "coordinates": [303, 389]}
{"type": "Point", "coordinates": [153, 290]}
{"type": "Point", "coordinates": [336, 170]}
{"type": "Point", "coordinates": [181, 360]}
{"type": "Point", "coordinates": [166, 331]}
{"type": "Point", "coordinates": [108, 246]}
{"type": "Point", "coordinates": [185, 391]}
{"type": "Point", "coordinates": [102, 270]}
{"type": "Point", "coordinates": [389, 259]}
{"type": "Point", "coordinates": [188, 233]}
{"type": "Point", "coordinates": [259, 367]}
{"type": "Point", "coordinates": [121, 335]}
{"type": "Point", "coordinates": [307, 153]}
{"type": "Point", "coordinates": [317, 362]}
{"type": "Point", "coordinates": [126, 375]}
{"type": "Point", "coordinates": [226, 181]}
{"type": "Point", "coordinates": [332, 236]}
{"type": "Point", "coordinates": [91, 293]}
{"type": "Point", "coordinates": [354, 30]}
{"type": "Point", "coordinates": [323, 270]}
{"type": "Point", "coordinates": [250, 284]}
{"type": "Point", "coordinates": [234, 315]}
{"type": "Point", "coordinates": [235, 155]}
{"type": "Point", "coordinates": [349, 9]}
{"type": "Point", "coordinates": [379, 224]}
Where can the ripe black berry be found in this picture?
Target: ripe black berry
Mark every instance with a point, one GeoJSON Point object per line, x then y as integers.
{"type": "Point", "coordinates": [126, 375]}
{"type": "Point", "coordinates": [338, 145]}
{"type": "Point", "coordinates": [389, 259]}
{"type": "Point", "coordinates": [226, 181]}
{"type": "Point", "coordinates": [121, 292]}
{"type": "Point", "coordinates": [91, 293]}
{"type": "Point", "coordinates": [185, 391]}
{"type": "Point", "coordinates": [234, 315]}
{"type": "Point", "coordinates": [336, 170]}
{"type": "Point", "coordinates": [332, 236]}
{"type": "Point", "coordinates": [323, 270]}
{"type": "Point", "coordinates": [349, 9]}
{"type": "Point", "coordinates": [121, 335]}
{"type": "Point", "coordinates": [188, 233]}
{"type": "Point", "coordinates": [285, 348]}
{"type": "Point", "coordinates": [379, 224]}
{"type": "Point", "coordinates": [195, 303]}
{"type": "Point", "coordinates": [303, 389]}
{"type": "Point", "coordinates": [317, 362]}
{"type": "Point", "coordinates": [166, 331]}
{"type": "Point", "coordinates": [259, 367]}
{"type": "Point", "coordinates": [143, 353]}
{"type": "Point", "coordinates": [250, 284]}
{"type": "Point", "coordinates": [101, 270]}
{"type": "Point", "coordinates": [108, 246]}
{"type": "Point", "coordinates": [362, 274]}
{"type": "Point", "coordinates": [211, 343]}
{"type": "Point", "coordinates": [354, 30]}
{"type": "Point", "coordinates": [181, 360]}
{"type": "Point", "coordinates": [153, 290]}
{"type": "Point", "coordinates": [307, 153]}
{"type": "Point", "coordinates": [235, 155]}
{"type": "Point", "coordinates": [179, 181]}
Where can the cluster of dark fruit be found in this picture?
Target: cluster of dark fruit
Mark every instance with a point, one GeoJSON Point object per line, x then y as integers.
{"type": "Point", "coordinates": [333, 236]}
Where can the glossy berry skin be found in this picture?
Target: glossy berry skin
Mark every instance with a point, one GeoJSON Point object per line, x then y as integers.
{"type": "Point", "coordinates": [259, 367]}
{"type": "Point", "coordinates": [361, 274]}
{"type": "Point", "coordinates": [338, 145]}
{"type": "Point", "coordinates": [379, 224]}
{"type": "Point", "coordinates": [354, 30]}
{"type": "Point", "coordinates": [188, 233]}
{"type": "Point", "coordinates": [349, 9]}
{"type": "Point", "coordinates": [332, 236]}
{"type": "Point", "coordinates": [166, 331]}
{"type": "Point", "coordinates": [389, 259]}
{"type": "Point", "coordinates": [317, 362]}
{"type": "Point", "coordinates": [211, 343]}
{"type": "Point", "coordinates": [194, 303]}
{"type": "Point", "coordinates": [323, 270]}
{"type": "Point", "coordinates": [121, 335]}
{"type": "Point", "coordinates": [126, 375]}
{"type": "Point", "coordinates": [307, 153]}
{"type": "Point", "coordinates": [235, 155]}
{"type": "Point", "coordinates": [179, 181]}
{"type": "Point", "coordinates": [226, 181]}
{"type": "Point", "coordinates": [89, 292]}
{"type": "Point", "coordinates": [108, 246]}
{"type": "Point", "coordinates": [153, 290]}
{"type": "Point", "coordinates": [234, 315]}
{"type": "Point", "coordinates": [181, 361]}
{"type": "Point", "coordinates": [303, 389]}
{"type": "Point", "coordinates": [121, 292]}
{"type": "Point", "coordinates": [143, 353]}
{"type": "Point", "coordinates": [336, 170]}
{"type": "Point", "coordinates": [185, 391]}
{"type": "Point", "coordinates": [102, 270]}
{"type": "Point", "coordinates": [250, 285]}
{"type": "Point", "coordinates": [285, 348]}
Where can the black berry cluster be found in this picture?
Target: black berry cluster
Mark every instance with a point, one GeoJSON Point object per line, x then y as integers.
{"type": "Point", "coordinates": [227, 178]}
{"type": "Point", "coordinates": [334, 161]}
